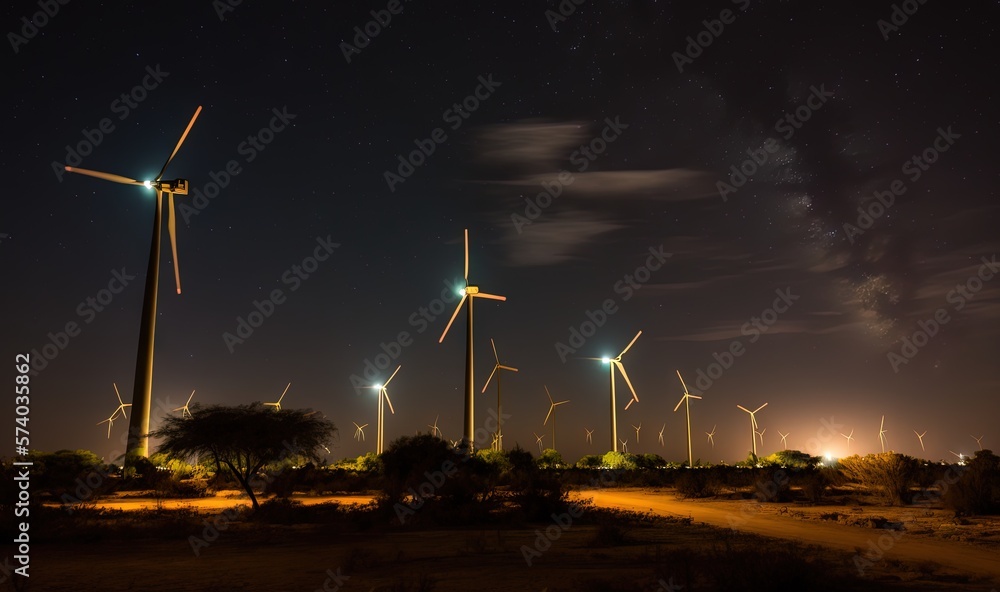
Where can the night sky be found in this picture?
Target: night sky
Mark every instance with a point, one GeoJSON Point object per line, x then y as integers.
{"type": "Point", "coordinates": [641, 123]}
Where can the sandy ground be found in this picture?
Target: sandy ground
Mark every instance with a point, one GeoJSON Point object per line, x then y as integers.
{"type": "Point", "coordinates": [920, 540]}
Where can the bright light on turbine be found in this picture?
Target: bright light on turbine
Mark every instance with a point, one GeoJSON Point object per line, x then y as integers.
{"type": "Point", "coordinates": [147, 184]}
{"type": "Point", "coordinates": [605, 360]}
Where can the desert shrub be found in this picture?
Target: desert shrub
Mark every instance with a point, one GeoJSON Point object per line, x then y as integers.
{"type": "Point", "coordinates": [791, 459]}
{"type": "Point", "coordinates": [590, 461]}
{"type": "Point", "coordinates": [57, 472]}
{"type": "Point", "coordinates": [697, 483]}
{"type": "Point", "coordinates": [550, 459]}
{"type": "Point", "coordinates": [978, 489]}
{"type": "Point", "coordinates": [650, 461]}
{"type": "Point", "coordinates": [887, 475]}
{"type": "Point", "coordinates": [619, 460]}
{"type": "Point", "coordinates": [495, 458]}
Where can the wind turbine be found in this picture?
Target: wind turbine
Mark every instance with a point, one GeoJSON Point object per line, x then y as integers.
{"type": "Point", "coordinates": [921, 438]}
{"type": "Point", "coordinates": [661, 435]}
{"type": "Point", "coordinates": [784, 439]}
{"type": "Point", "coordinates": [359, 432]}
{"type": "Point", "coordinates": [498, 445]}
{"type": "Point", "coordinates": [538, 440]}
{"type": "Point", "coordinates": [624, 446]}
{"type": "Point", "coordinates": [552, 414]}
{"type": "Point", "coordinates": [849, 438]}
{"type": "Point", "coordinates": [881, 434]}
{"type": "Point", "coordinates": [590, 434]}
{"type": "Point", "coordinates": [978, 440]}
{"type": "Point", "coordinates": [761, 435]}
{"type": "Point", "coordinates": [753, 427]}
{"type": "Point", "coordinates": [277, 404]}
{"type": "Point", "coordinates": [612, 364]}
{"type": "Point", "coordinates": [470, 293]}
{"type": "Point", "coordinates": [184, 410]}
{"type": "Point", "coordinates": [435, 430]}
{"type": "Point", "coordinates": [711, 436]}
{"type": "Point", "coordinates": [637, 428]}
{"type": "Point", "coordinates": [142, 390]}
{"type": "Point", "coordinates": [121, 404]}
{"type": "Point", "coordinates": [110, 421]}
{"type": "Point", "coordinates": [383, 398]}
{"type": "Point", "coordinates": [686, 400]}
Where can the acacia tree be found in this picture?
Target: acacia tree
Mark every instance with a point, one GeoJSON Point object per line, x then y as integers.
{"type": "Point", "coordinates": [245, 438]}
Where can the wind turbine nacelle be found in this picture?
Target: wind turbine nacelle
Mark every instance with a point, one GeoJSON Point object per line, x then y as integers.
{"type": "Point", "coordinates": [470, 290]}
{"type": "Point", "coordinates": [177, 186]}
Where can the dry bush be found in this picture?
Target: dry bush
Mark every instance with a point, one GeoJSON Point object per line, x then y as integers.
{"type": "Point", "coordinates": [887, 475]}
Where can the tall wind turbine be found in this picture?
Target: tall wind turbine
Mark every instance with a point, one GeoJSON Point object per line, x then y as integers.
{"type": "Point", "coordinates": [711, 436]}
{"type": "Point", "coordinates": [435, 430]}
{"type": "Point", "coordinates": [277, 404]}
{"type": "Point", "coordinates": [498, 439]}
{"type": "Point", "coordinates": [142, 390]}
{"type": "Point", "coordinates": [784, 439]}
{"type": "Point", "coordinates": [470, 293]}
{"type": "Point", "coordinates": [753, 427]}
{"type": "Point", "coordinates": [849, 438]}
{"type": "Point", "coordinates": [552, 414]}
{"type": "Point", "coordinates": [612, 364]}
{"type": "Point", "coordinates": [590, 435]}
{"type": "Point", "coordinates": [383, 398]}
{"type": "Point", "coordinates": [881, 434]}
{"type": "Point", "coordinates": [185, 412]}
{"type": "Point", "coordinates": [921, 438]}
{"type": "Point", "coordinates": [686, 400]}
{"type": "Point", "coordinates": [978, 440]}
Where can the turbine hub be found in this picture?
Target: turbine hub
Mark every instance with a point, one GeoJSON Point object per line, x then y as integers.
{"type": "Point", "coordinates": [470, 290]}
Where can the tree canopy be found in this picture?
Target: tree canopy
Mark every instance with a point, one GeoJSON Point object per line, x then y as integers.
{"type": "Point", "coordinates": [245, 438]}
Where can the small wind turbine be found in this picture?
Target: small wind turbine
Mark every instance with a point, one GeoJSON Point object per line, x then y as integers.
{"type": "Point", "coordinates": [470, 293]}
{"type": "Point", "coordinates": [538, 440]}
{"type": "Point", "coordinates": [277, 404]}
{"type": "Point", "coordinates": [881, 434]}
{"type": "Point", "coordinates": [184, 410]}
{"type": "Point", "coordinates": [637, 428]}
{"type": "Point", "coordinates": [978, 440]}
{"type": "Point", "coordinates": [686, 400]}
{"type": "Point", "coordinates": [138, 439]}
{"type": "Point", "coordinates": [711, 436]}
{"type": "Point", "coordinates": [624, 446]}
{"type": "Point", "coordinates": [849, 438]}
{"type": "Point", "coordinates": [784, 439]}
{"type": "Point", "coordinates": [383, 398]}
{"type": "Point", "coordinates": [110, 421]}
{"type": "Point", "coordinates": [613, 363]}
{"type": "Point", "coordinates": [661, 435]}
{"type": "Point", "coordinates": [921, 438]}
{"type": "Point", "coordinates": [590, 434]}
{"type": "Point", "coordinates": [121, 404]}
{"type": "Point", "coordinates": [760, 434]}
{"type": "Point", "coordinates": [753, 426]}
{"type": "Point", "coordinates": [359, 432]}
{"type": "Point", "coordinates": [498, 440]}
{"type": "Point", "coordinates": [435, 430]}
{"type": "Point", "coordinates": [960, 456]}
{"type": "Point", "coordinates": [552, 414]}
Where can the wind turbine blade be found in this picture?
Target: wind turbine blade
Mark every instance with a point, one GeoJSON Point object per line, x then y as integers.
{"type": "Point", "coordinates": [682, 382]}
{"type": "Point", "coordinates": [393, 376]}
{"type": "Point", "coordinates": [551, 407]}
{"type": "Point", "coordinates": [511, 368]}
{"type": "Point", "coordinates": [495, 354]}
{"type": "Point", "coordinates": [386, 393]}
{"type": "Point", "coordinates": [490, 378]}
{"type": "Point", "coordinates": [761, 407]}
{"type": "Point", "coordinates": [466, 276]}
{"type": "Point", "coordinates": [105, 176]}
{"type": "Point", "coordinates": [743, 408]}
{"type": "Point", "coordinates": [189, 398]}
{"type": "Point", "coordinates": [629, 346]}
{"type": "Point", "coordinates": [693, 397]}
{"type": "Point", "coordinates": [621, 368]}
{"type": "Point", "coordinates": [179, 142]}
{"type": "Point", "coordinates": [453, 316]}
{"type": "Point", "coordinates": [678, 405]}
{"type": "Point", "coordinates": [561, 402]}
{"type": "Point", "coordinates": [490, 296]}
{"type": "Point", "coordinates": [548, 394]}
{"type": "Point", "coordinates": [283, 392]}
{"type": "Point", "coordinates": [629, 404]}
{"type": "Point", "coordinates": [172, 229]}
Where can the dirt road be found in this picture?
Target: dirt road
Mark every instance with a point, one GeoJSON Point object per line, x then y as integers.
{"type": "Point", "coordinates": [953, 556]}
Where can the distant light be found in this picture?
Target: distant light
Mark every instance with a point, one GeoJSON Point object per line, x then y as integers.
{"type": "Point", "coordinates": [605, 360]}
{"type": "Point", "coordinates": [148, 184]}
{"type": "Point", "coordinates": [828, 456]}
